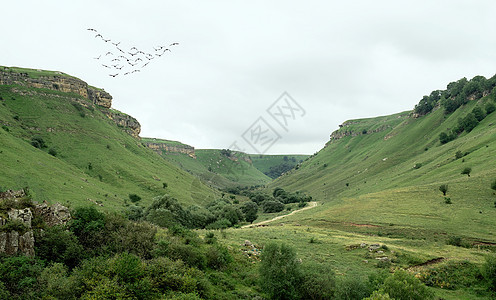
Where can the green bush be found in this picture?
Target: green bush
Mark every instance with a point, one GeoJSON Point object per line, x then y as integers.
{"type": "Point", "coordinates": [57, 284]}
{"type": "Point", "coordinates": [493, 185]}
{"type": "Point", "coordinates": [52, 152]}
{"type": "Point", "coordinates": [58, 245]}
{"type": "Point", "coordinates": [38, 142]}
{"type": "Point", "coordinates": [351, 288]}
{"type": "Point", "coordinates": [466, 171]}
{"type": "Point", "coordinates": [280, 273]}
{"type": "Point", "coordinates": [404, 286]}
{"type": "Point", "coordinates": [218, 257]}
{"type": "Point", "coordinates": [134, 198]}
{"type": "Point", "coordinates": [489, 272]}
{"type": "Point", "coordinates": [19, 276]}
{"type": "Point", "coordinates": [490, 108]}
{"type": "Point", "coordinates": [271, 206]}
{"type": "Point", "coordinates": [318, 282]}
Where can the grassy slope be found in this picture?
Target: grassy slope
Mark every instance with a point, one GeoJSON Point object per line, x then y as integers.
{"type": "Point", "coordinates": [122, 163]}
{"type": "Point", "coordinates": [224, 171]}
{"type": "Point", "coordinates": [387, 201]}
{"type": "Point", "coordinates": [383, 187]}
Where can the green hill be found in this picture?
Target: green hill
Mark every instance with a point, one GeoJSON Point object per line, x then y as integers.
{"type": "Point", "coordinates": [388, 170]}
{"type": "Point", "coordinates": [91, 153]}
{"type": "Point", "coordinates": [217, 168]}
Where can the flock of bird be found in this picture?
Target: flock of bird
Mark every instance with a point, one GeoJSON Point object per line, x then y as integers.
{"type": "Point", "coordinates": [124, 62]}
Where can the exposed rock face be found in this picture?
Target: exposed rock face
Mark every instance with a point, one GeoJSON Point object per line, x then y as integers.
{"type": "Point", "coordinates": [171, 148]}
{"type": "Point", "coordinates": [58, 83]}
{"type": "Point", "coordinates": [13, 242]}
{"type": "Point", "coordinates": [56, 214]}
{"type": "Point", "coordinates": [130, 124]}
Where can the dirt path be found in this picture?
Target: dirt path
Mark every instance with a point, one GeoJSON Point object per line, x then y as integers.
{"type": "Point", "coordinates": [310, 205]}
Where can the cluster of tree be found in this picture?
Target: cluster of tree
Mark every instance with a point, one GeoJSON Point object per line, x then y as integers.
{"type": "Point", "coordinates": [278, 170]}
{"type": "Point", "coordinates": [457, 94]}
{"type": "Point", "coordinates": [106, 256]}
{"type": "Point", "coordinates": [275, 202]}
{"type": "Point", "coordinates": [166, 211]}
{"type": "Point", "coordinates": [468, 123]}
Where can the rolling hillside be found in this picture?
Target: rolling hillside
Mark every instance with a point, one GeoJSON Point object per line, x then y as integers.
{"type": "Point", "coordinates": [386, 172]}
{"type": "Point", "coordinates": [87, 152]}
{"type": "Point", "coordinates": [217, 168]}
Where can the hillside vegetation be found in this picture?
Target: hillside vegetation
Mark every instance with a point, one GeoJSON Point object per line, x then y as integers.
{"type": "Point", "coordinates": [387, 171]}
{"type": "Point", "coordinates": [67, 149]}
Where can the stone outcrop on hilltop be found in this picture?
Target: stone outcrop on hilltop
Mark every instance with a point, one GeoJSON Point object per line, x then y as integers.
{"type": "Point", "coordinates": [20, 239]}
{"type": "Point", "coordinates": [161, 146]}
{"type": "Point", "coordinates": [67, 84]}
{"type": "Point", "coordinates": [61, 83]}
{"type": "Point", "coordinates": [130, 124]}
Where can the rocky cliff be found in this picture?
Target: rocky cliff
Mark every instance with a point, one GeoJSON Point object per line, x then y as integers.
{"type": "Point", "coordinates": [16, 221]}
{"type": "Point", "coordinates": [57, 82]}
{"type": "Point", "coordinates": [164, 146]}
{"type": "Point", "coordinates": [130, 124]}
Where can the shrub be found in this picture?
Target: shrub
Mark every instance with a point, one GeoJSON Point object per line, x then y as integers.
{"type": "Point", "coordinates": [19, 275]}
{"type": "Point", "coordinates": [218, 257]}
{"type": "Point", "coordinates": [52, 152]}
{"type": "Point", "coordinates": [318, 282]}
{"type": "Point", "coordinates": [443, 188]}
{"type": "Point", "coordinates": [493, 185]}
{"type": "Point", "coordinates": [38, 142]}
{"type": "Point", "coordinates": [458, 154]}
{"type": "Point", "coordinates": [352, 288]}
{"type": "Point", "coordinates": [57, 284]}
{"type": "Point", "coordinates": [417, 166]}
{"type": "Point", "coordinates": [404, 286]}
{"type": "Point", "coordinates": [134, 198]}
{"type": "Point", "coordinates": [250, 210]}
{"type": "Point", "coordinates": [489, 272]}
{"type": "Point", "coordinates": [447, 200]}
{"type": "Point", "coordinates": [280, 272]}
{"type": "Point", "coordinates": [5, 127]}
{"type": "Point", "coordinates": [271, 206]}
{"type": "Point", "coordinates": [466, 171]}
{"type": "Point", "coordinates": [59, 246]}
{"type": "Point", "coordinates": [490, 107]}
{"type": "Point", "coordinates": [164, 185]}
{"type": "Point", "coordinates": [378, 295]}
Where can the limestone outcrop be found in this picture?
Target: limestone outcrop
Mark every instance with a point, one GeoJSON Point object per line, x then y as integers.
{"type": "Point", "coordinates": [16, 230]}
{"type": "Point", "coordinates": [128, 123]}
{"type": "Point", "coordinates": [57, 82]}
{"type": "Point", "coordinates": [161, 146]}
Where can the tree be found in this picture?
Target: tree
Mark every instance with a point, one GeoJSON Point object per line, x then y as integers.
{"type": "Point", "coordinates": [279, 272]}
{"type": "Point", "coordinates": [467, 171]}
{"type": "Point", "coordinates": [250, 210]}
{"type": "Point", "coordinates": [444, 138]}
{"type": "Point", "coordinates": [478, 113]}
{"type": "Point", "coordinates": [403, 285]}
{"type": "Point", "coordinates": [489, 108]}
{"type": "Point", "coordinates": [470, 122]}
{"type": "Point", "coordinates": [443, 188]}
{"type": "Point", "coordinates": [271, 206]}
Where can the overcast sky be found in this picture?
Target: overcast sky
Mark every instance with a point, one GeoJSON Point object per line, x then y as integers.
{"type": "Point", "coordinates": [337, 60]}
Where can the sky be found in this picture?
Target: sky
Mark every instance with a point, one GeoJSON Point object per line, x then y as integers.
{"type": "Point", "coordinates": [273, 77]}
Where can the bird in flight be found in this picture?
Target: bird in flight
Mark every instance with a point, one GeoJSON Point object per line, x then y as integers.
{"type": "Point", "coordinates": [134, 56]}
